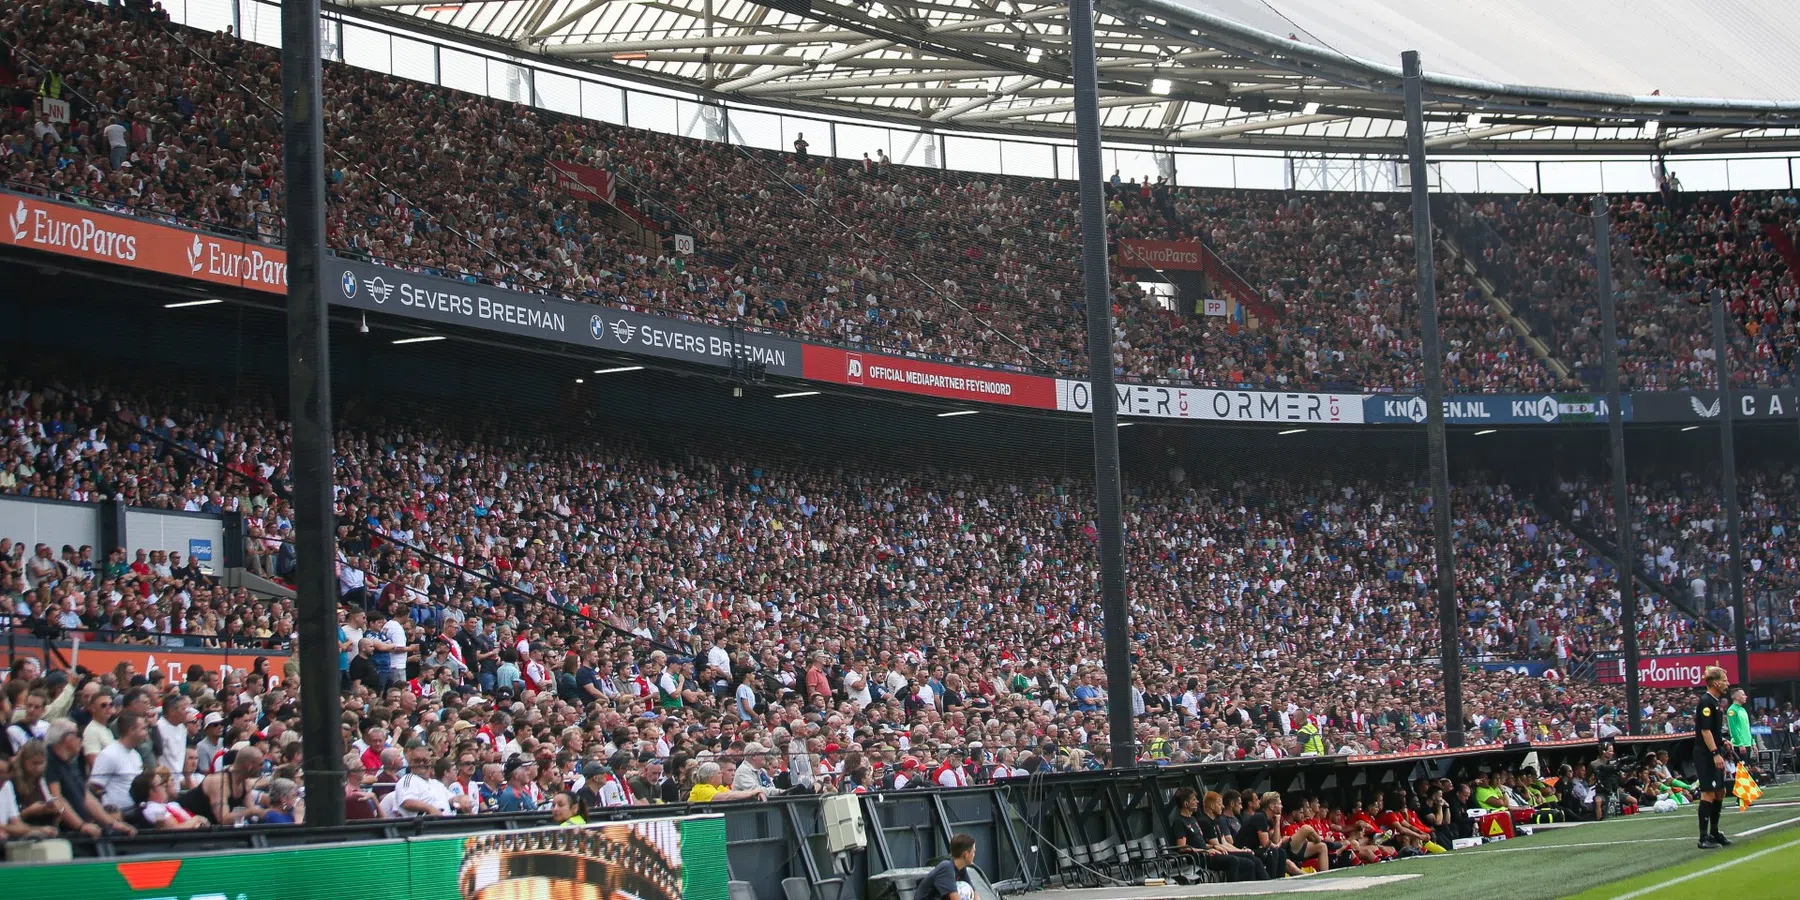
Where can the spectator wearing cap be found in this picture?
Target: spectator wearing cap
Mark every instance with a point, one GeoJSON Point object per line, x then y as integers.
{"type": "Point", "coordinates": [211, 745]}
{"type": "Point", "coordinates": [754, 775]}
{"type": "Point", "coordinates": [521, 771]}
{"type": "Point", "coordinates": [908, 773]}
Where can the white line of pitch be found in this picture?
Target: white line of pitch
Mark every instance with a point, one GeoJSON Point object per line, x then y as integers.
{"type": "Point", "coordinates": [1757, 830]}
{"type": "Point", "coordinates": [1762, 828]}
{"type": "Point", "coordinates": [1707, 871]}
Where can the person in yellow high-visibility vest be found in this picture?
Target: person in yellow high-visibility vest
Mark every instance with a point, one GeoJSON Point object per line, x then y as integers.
{"type": "Point", "coordinates": [1312, 743]}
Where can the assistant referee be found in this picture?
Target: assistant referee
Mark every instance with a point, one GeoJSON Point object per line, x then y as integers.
{"type": "Point", "coordinates": [1709, 757]}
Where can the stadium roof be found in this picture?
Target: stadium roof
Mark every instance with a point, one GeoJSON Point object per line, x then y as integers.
{"type": "Point", "coordinates": [1507, 76]}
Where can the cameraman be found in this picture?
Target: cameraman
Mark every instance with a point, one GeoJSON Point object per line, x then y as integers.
{"type": "Point", "coordinates": [1610, 783]}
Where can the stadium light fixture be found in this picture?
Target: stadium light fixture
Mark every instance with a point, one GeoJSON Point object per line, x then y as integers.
{"type": "Point", "coordinates": [1486, 431]}
{"type": "Point", "coordinates": [426, 339]}
{"type": "Point", "coordinates": [1291, 431]}
{"type": "Point", "coordinates": [1161, 86]}
{"type": "Point", "coordinates": [187, 303]}
{"type": "Point", "coordinates": [957, 412]}
{"type": "Point", "coordinates": [1690, 428]}
{"type": "Point", "coordinates": [617, 369]}
{"type": "Point", "coordinates": [581, 381]}
{"type": "Point", "coordinates": [792, 394]}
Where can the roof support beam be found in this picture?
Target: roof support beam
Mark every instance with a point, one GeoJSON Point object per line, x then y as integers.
{"type": "Point", "coordinates": [1689, 140]}
{"type": "Point", "coordinates": [1205, 132]}
{"type": "Point", "coordinates": [607, 48]}
{"type": "Point", "coordinates": [569, 18]}
{"type": "Point", "coordinates": [817, 85]}
{"type": "Point", "coordinates": [856, 50]}
{"type": "Point", "coordinates": [1463, 137]}
{"type": "Point", "coordinates": [1044, 109]}
{"type": "Point", "coordinates": [1007, 90]}
{"type": "Point", "coordinates": [371, 4]}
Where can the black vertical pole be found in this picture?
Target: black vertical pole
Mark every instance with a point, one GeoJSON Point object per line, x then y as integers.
{"type": "Point", "coordinates": [309, 388]}
{"type": "Point", "coordinates": [1097, 294]}
{"type": "Point", "coordinates": [1728, 487]}
{"type": "Point", "coordinates": [1439, 456]}
{"type": "Point", "coordinates": [1615, 428]}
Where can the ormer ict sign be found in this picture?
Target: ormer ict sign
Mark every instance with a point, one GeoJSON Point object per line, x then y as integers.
{"type": "Point", "coordinates": [1211, 405]}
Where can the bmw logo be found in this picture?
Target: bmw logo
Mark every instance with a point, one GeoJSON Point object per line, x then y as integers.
{"type": "Point", "coordinates": [349, 284]}
{"type": "Point", "coordinates": [597, 328]}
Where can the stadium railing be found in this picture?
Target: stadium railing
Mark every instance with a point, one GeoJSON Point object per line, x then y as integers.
{"type": "Point", "coordinates": [1082, 827]}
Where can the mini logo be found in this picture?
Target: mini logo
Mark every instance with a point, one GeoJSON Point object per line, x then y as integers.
{"type": "Point", "coordinates": [624, 330]}
{"type": "Point", "coordinates": [195, 253]}
{"type": "Point", "coordinates": [17, 221]}
{"type": "Point", "coordinates": [597, 327]}
{"type": "Point", "coordinates": [1703, 410]}
{"type": "Point", "coordinates": [1547, 409]}
{"type": "Point", "coordinates": [348, 283]}
{"type": "Point", "coordinates": [379, 289]}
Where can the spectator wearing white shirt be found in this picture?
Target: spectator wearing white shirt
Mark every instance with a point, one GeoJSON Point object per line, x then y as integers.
{"type": "Point", "coordinates": [172, 732]}
{"type": "Point", "coordinates": [120, 764]}
{"type": "Point", "coordinates": [419, 794]}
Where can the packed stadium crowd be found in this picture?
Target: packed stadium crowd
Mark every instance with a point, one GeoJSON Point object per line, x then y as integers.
{"type": "Point", "coordinates": [1684, 549]}
{"type": "Point", "coordinates": [177, 123]}
{"type": "Point", "coordinates": [1670, 252]}
{"type": "Point", "coordinates": [555, 609]}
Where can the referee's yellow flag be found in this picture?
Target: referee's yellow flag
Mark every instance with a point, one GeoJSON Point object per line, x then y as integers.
{"type": "Point", "coordinates": [1746, 790]}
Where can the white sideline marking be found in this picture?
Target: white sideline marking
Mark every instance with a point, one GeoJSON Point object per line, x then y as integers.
{"type": "Point", "coordinates": [1762, 828]}
{"type": "Point", "coordinates": [1707, 871]}
{"type": "Point", "coordinates": [1757, 830]}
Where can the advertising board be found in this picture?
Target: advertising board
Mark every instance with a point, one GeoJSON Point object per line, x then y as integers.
{"type": "Point", "coordinates": [651, 859]}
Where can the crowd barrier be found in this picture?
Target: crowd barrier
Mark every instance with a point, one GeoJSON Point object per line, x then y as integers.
{"type": "Point", "coordinates": [1025, 829]}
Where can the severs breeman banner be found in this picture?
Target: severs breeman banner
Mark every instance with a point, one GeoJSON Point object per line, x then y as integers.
{"type": "Point", "coordinates": [447, 301]}
{"type": "Point", "coordinates": [1211, 405]}
{"type": "Point", "coordinates": [650, 859]}
{"type": "Point", "coordinates": [930, 379]}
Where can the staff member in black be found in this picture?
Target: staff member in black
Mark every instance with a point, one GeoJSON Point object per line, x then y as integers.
{"type": "Point", "coordinates": [1198, 836]}
{"type": "Point", "coordinates": [1709, 757]}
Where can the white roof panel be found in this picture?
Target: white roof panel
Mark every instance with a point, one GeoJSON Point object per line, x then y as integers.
{"type": "Point", "coordinates": [1738, 50]}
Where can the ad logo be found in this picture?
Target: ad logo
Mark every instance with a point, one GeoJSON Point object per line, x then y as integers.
{"type": "Point", "coordinates": [597, 328]}
{"type": "Point", "coordinates": [379, 289]}
{"type": "Point", "coordinates": [1703, 410]}
{"type": "Point", "coordinates": [17, 221]}
{"type": "Point", "coordinates": [1414, 409]}
{"type": "Point", "coordinates": [195, 253]}
{"type": "Point", "coordinates": [854, 373]}
{"type": "Point", "coordinates": [348, 283]}
{"type": "Point", "coordinates": [624, 331]}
